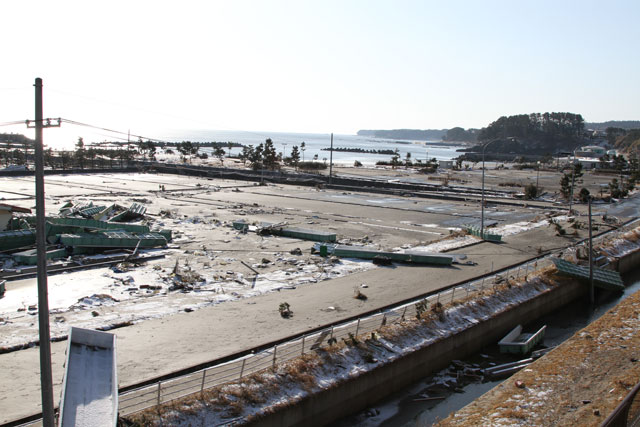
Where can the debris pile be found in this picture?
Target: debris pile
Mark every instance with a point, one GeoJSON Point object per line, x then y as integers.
{"type": "Point", "coordinates": [81, 229]}
{"type": "Point", "coordinates": [282, 229]}
{"type": "Point", "coordinates": [183, 278]}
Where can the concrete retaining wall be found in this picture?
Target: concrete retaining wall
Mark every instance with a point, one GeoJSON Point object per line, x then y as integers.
{"type": "Point", "coordinates": [628, 263]}
{"type": "Point", "coordinates": [365, 390]}
{"type": "Point", "coordinates": [368, 388]}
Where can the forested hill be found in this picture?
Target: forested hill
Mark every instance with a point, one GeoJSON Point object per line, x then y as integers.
{"type": "Point", "coordinates": [629, 141]}
{"type": "Point", "coordinates": [412, 134]}
{"type": "Point", "coordinates": [15, 138]}
{"type": "Point", "coordinates": [535, 133]}
{"type": "Point", "coordinates": [621, 124]}
{"type": "Point", "coordinates": [458, 134]}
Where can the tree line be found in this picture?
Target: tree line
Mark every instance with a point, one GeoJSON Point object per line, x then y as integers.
{"type": "Point", "coordinates": [547, 128]}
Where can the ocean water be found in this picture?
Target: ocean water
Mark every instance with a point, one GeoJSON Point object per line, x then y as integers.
{"type": "Point", "coordinates": [66, 136]}
{"type": "Point", "coordinates": [314, 142]}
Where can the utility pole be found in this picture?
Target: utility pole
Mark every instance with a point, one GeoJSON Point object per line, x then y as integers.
{"type": "Point", "coordinates": [482, 200]}
{"type": "Point", "coordinates": [591, 291]}
{"type": "Point", "coordinates": [331, 159]}
{"type": "Point", "coordinates": [46, 381]}
{"type": "Point", "coordinates": [573, 179]}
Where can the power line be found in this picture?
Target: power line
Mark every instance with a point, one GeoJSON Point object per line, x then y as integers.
{"type": "Point", "coordinates": [16, 122]}
{"type": "Point", "coordinates": [73, 122]}
{"type": "Point", "coordinates": [128, 135]}
{"type": "Point", "coordinates": [101, 101]}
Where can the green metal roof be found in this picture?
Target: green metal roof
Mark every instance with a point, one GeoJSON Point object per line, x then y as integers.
{"type": "Point", "coordinates": [134, 211]}
{"type": "Point", "coordinates": [99, 225]}
{"type": "Point", "coordinates": [605, 279]}
{"type": "Point", "coordinates": [91, 211]}
{"type": "Point", "coordinates": [113, 239]}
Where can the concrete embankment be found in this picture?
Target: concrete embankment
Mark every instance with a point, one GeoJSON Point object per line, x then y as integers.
{"type": "Point", "coordinates": [592, 379]}
{"type": "Point", "coordinates": [367, 388]}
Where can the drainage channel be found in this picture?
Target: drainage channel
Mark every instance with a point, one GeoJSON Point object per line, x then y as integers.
{"type": "Point", "coordinates": [436, 396]}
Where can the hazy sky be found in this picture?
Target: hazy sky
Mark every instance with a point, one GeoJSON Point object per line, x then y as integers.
{"type": "Point", "coordinates": [317, 66]}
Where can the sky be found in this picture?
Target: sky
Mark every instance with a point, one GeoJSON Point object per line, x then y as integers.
{"type": "Point", "coordinates": [315, 66]}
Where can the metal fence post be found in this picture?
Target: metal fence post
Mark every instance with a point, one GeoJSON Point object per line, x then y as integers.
{"type": "Point", "coordinates": [453, 293]}
{"type": "Point", "coordinates": [242, 367]}
{"type": "Point", "coordinates": [403, 312]}
{"type": "Point", "coordinates": [518, 273]}
{"type": "Point", "coordinates": [357, 327]}
{"type": "Point", "coordinates": [384, 320]}
{"type": "Point", "coordinates": [159, 387]}
{"type": "Point", "coordinates": [303, 337]}
{"type": "Point", "coordinates": [204, 374]}
{"type": "Point", "coordinates": [275, 348]}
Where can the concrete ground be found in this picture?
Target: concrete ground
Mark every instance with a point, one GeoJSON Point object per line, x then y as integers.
{"type": "Point", "coordinates": [159, 346]}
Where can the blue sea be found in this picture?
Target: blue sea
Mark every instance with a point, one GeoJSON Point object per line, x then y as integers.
{"type": "Point", "coordinates": [315, 142]}
{"type": "Point", "coordinates": [66, 137]}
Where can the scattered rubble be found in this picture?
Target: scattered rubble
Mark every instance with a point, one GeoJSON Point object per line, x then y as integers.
{"type": "Point", "coordinates": [285, 310]}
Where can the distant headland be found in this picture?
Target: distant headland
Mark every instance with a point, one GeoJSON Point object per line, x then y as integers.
{"type": "Point", "coordinates": [412, 134]}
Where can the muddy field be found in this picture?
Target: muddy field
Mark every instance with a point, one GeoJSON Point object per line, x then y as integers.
{"type": "Point", "coordinates": [171, 326]}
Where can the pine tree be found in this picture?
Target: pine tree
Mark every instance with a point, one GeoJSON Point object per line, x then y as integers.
{"type": "Point", "coordinates": [295, 156]}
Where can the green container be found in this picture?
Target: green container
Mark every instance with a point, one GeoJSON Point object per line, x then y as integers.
{"type": "Point", "coordinates": [484, 236]}
{"type": "Point", "coordinates": [166, 233]}
{"type": "Point", "coordinates": [345, 251]}
{"type": "Point", "coordinates": [14, 239]}
{"type": "Point", "coordinates": [323, 251]}
{"type": "Point", "coordinates": [305, 234]}
{"type": "Point", "coordinates": [240, 225]}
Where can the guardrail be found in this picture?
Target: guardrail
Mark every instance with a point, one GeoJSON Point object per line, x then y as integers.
{"type": "Point", "coordinates": [627, 413]}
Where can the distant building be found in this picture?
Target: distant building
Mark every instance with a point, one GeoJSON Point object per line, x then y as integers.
{"type": "Point", "coordinates": [445, 164]}
{"type": "Point", "coordinates": [590, 163]}
{"type": "Point", "coordinates": [590, 151]}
